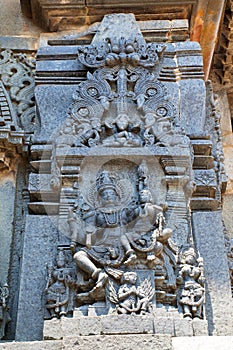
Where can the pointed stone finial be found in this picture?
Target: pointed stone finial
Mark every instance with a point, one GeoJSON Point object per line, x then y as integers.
{"type": "Point", "coordinates": [119, 26]}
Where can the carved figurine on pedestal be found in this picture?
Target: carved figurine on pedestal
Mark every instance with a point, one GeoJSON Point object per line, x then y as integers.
{"type": "Point", "coordinates": [191, 278]}
{"type": "Point", "coordinates": [124, 133]}
{"type": "Point", "coordinates": [4, 314]}
{"type": "Point", "coordinates": [58, 288]}
{"type": "Point", "coordinates": [131, 299]}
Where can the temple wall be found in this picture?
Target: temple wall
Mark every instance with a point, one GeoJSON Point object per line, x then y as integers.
{"type": "Point", "coordinates": [34, 213]}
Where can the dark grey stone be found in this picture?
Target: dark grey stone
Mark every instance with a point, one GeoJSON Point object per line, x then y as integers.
{"type": "Point", "coordinates": [209, 239]}
{"type": "Point", "coordinates": [40, 246]}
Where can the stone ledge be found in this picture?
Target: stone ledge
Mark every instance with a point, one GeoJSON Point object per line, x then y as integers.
{"type": "Point", "coordinates": [103, 342]}
{"type": "Point", "coordinates": [123, 324]}
{"type": "Point", "coordinates": [201, 343]}
{"type": "Point", "coordinates": [126, 342]}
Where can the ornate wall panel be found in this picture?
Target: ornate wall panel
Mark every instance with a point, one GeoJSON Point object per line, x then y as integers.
{"type": "Point", "coordinates": [126, 155]}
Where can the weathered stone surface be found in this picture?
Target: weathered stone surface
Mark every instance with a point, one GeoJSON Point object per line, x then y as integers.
{"type": "Point", "coordinates": [209, 238]}
{"type": "Point", "coordinates": [70, 327]}
{"type": "Point", "coordinates": [127, 342]}
{"type": "Point", "coordinates": [180, 72]}
{"type": "Point", "coordinates": [7, 194]}
{"type": "Point", "coordinates": [183, 327]}
{"type": "Point", "coordinates": [40, 242]}
{"type": "Point", "coordinates": [90, 325]}
{"type": "Point", "coordinates": [122, 324]}
{"type": "Point", "coordinates": [228, 212]}
{"type": "Point", "coordinates": [52, 329]}
{"type": "Point", "coordinates": [192, 107]}
{"type": "Point", "coordinates": [17, 32]}
{"type": "Point", "coordinates": [52, 115]}
{"type": "Point", "coordinates": [35, 345]}
{"type": "Point", "coordinates": [200, 327]}
{"type": "Point", "coordinates": [164, 325]}
{"type": "Point", "coordinates": [56, 329]}
{"type": "Point", "coordinates": [200, 343]}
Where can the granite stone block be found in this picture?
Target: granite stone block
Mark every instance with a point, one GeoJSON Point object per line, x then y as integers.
{"type": "Point", "coordinates": [200, 327]}
{"type": "Point", "coordinates": [116, 342]}
{"type": "Point", "coordinates": [34, 345]}
{"type": "Point", "coordinates": [199, 343]}
{"type": "Point", "coordinates": [183, 327]}
{"type": "Point", "coordinates": [40, 246]}
{"type": "Point", "coordinates": [52, 329]}
{"type": "Point", "coordinates": [164, 325]}
{"type": "Point", "coordinates": [209, 238]}
{"type": "Point", "coordinates": [123, 324]}
{"type": "Point", "coordinates": [192, 106]}
{"type": "Point", "coordinates": [90, 325]}
{"type": "Point", "coordinates": [70, 327]}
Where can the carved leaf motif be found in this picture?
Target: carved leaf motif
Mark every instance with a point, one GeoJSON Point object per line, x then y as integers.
{"type": "Point", "coordinates": [112, 293]}
{"type": "Point", "coordinates": [113, 52]}
{"type": "Point", "coordinates": [147, 289]}
{"type": "Point", "coordinates": [205, 178]}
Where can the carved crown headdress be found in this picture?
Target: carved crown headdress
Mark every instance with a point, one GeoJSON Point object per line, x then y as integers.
{"type": "Point", "coordinates": [106, 180]}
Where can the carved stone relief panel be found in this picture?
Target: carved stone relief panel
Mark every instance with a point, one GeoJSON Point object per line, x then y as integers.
{"type": "Point", "coordinates": [123, 167]}
{"type": "Point", "coordinates": [17, 75]}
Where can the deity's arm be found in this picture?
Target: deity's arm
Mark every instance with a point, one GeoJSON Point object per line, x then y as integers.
{"type": "Point", "coordinates": [51, 278]}
{"type": "Point", "coordinates": [130, 213]}
{"type": "Point", "coordinates": [89, 216]}
{"type": "Point", "coordinates": [78, 226]}
{"type": "Point", "coordinates": [180, 277]}
{"type": "Point", "coordinates": [201, 279]}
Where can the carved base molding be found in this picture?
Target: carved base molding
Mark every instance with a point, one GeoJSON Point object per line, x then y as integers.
{"type": "Point", "coordinates": [164, 322]}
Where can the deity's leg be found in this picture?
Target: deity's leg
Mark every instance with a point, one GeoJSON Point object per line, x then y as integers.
{"type": "Point", "coordinates": [85, 264]}
{"type": "Point", "coordinates": [187, 311]}
{"type": "Point", "coordinates": [129, 251]}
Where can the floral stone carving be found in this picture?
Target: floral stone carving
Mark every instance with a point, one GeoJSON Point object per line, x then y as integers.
{"type": "Point", "coordinates": [17, 75]}
{"type": "Point", "coordinates": [121, 103]}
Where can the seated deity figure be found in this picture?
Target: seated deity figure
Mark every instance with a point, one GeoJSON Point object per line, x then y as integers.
{"type": "Point", "coordinates": [105, 224]}
{"type": "Point", "coordinates": [124, 134]}
{"type": "Point", "coordinates": [132, 299]}
{"type": "Point", "coordinates": [110, 233]}
{"type": "Point", "coordinates": [140, 236]}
